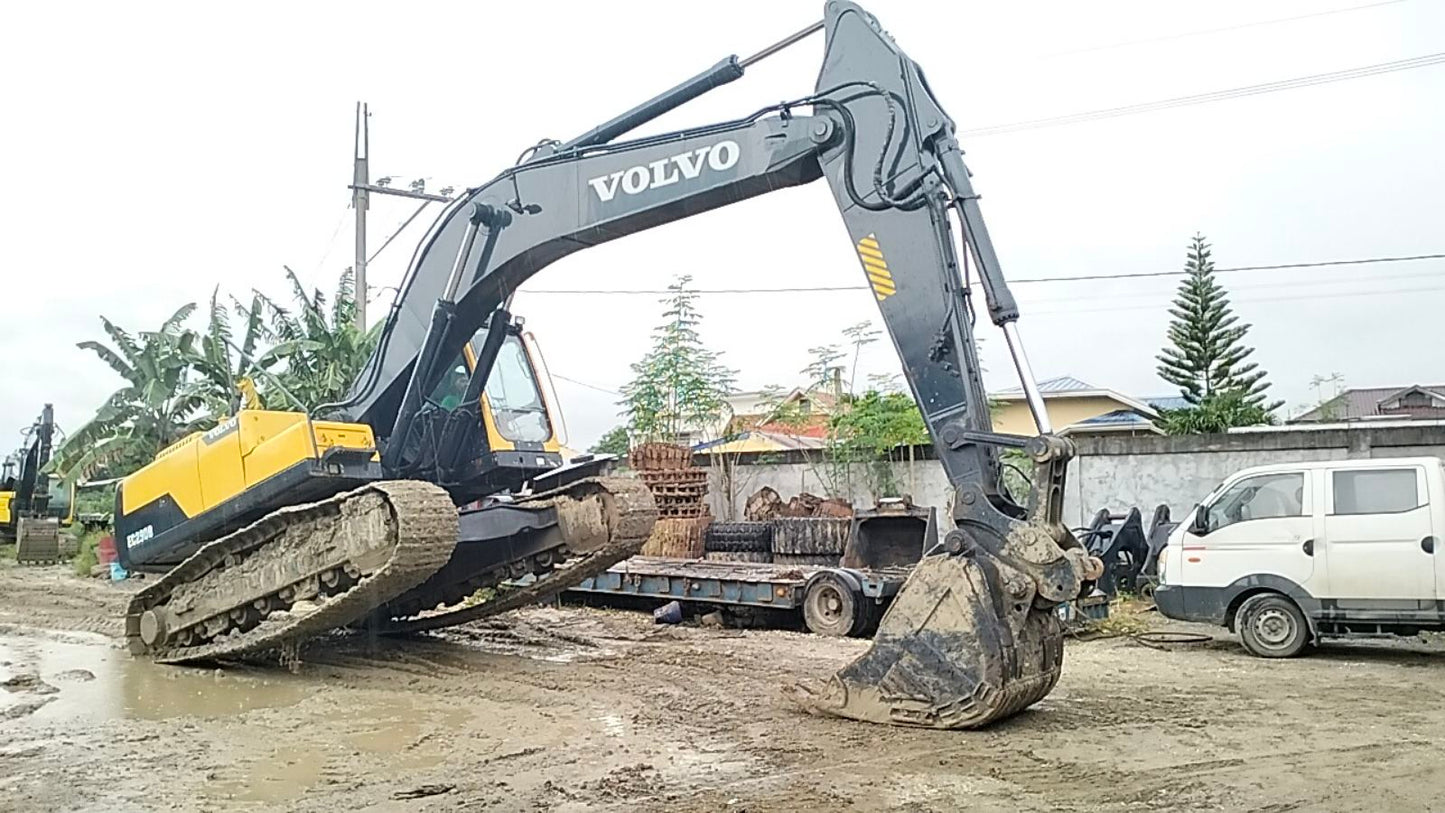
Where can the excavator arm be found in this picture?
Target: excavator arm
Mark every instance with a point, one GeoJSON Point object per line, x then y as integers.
{"type": "Point", "coordinates": [973, 636]}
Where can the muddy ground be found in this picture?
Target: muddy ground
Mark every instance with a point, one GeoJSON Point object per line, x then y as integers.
{"type": "Point", "coordinates": [582, 709]}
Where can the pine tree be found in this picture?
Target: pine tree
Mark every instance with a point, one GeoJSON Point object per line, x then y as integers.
{"type": "Point", "coordinates": [680, 386]}
{"type": "Point", "coordinates": [1207, 356]}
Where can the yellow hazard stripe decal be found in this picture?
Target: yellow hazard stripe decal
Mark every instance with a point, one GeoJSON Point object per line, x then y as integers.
{"type": "Point", "coordinates": [879, 277]}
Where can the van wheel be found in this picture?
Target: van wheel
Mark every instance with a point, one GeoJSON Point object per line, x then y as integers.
{"type": "Point", "coordinates": [1272, 626]}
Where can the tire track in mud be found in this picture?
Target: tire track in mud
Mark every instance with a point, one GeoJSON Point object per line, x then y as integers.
{"type": "Point", "coordinates": [1051, 781]}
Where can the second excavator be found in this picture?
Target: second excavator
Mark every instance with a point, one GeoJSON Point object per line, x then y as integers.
{"type": "Point", "coordinates": [439, 475]}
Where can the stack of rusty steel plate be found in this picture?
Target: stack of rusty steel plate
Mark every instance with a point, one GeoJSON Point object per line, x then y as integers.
{"type": "Point", "coordinates": [680, 490]}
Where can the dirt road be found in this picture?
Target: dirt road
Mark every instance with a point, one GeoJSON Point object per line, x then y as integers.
{"type": "Point", "coordinates": [579, 709]}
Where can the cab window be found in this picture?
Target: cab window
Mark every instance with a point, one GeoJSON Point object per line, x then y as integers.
{"type": "Point", "coordinates": [517, 407]}
{"type": "Point", "coordinates": [449, 391]}
{"type": "Point", "coordinates": [1263, 496]}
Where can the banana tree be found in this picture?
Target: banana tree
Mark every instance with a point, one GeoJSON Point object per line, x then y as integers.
{"type": "Point", "coordinates": [156, 407]}
{"type": "Point", "coordinates": [221, 363]}
{"type": "Point", "coordinates": [321, 346]}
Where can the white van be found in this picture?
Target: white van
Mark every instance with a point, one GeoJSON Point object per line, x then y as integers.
{"type": "Point", "coordinates": [1288, 554]}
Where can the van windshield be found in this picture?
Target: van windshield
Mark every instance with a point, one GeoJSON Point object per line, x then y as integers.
{"type": "Point", "coordinates": [1263, 496]}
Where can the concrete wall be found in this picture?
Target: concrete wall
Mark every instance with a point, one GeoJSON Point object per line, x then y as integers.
{"type": "Point", "coordinates": [1113, 472]}
{"type": "Point", "coordinates": [1122, 472]}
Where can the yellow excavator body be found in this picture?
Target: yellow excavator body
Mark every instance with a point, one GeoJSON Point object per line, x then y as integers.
{"type": "Point", "coordinates": [253, 462]}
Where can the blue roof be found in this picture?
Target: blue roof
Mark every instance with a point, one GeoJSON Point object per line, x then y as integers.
{"type": "Point", "coordinates": [1168, 402]}
{"type": "Point", "coordinates": [1063, 383]}
{"type": "Point", "coordinates": [1118, 417]}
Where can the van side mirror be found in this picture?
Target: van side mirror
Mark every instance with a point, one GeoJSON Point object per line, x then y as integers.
{"type": "Point", "coordinates": [1200, 526]}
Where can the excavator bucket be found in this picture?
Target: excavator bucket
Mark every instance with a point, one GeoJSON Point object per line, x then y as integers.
{"type": "Point", "coordinates": [952, 651]}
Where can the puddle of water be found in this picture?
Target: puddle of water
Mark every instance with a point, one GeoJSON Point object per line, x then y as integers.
{"type": "Point", "coordinates": [613, 725]}
{"type": "Point", "coordinates": [402, 731]}
{"type": "Point", "coordinates": [127, 687]}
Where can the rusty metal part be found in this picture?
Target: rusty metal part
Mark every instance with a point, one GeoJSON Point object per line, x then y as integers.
{"type": "Point", "coordinates": [894, 533]}
{"type": "Point", "coordinates": [811, 536]}
{"type": "Point", "coordinates": [805, 559]}
{"type": "Point", "coordinates": [763, 505]}
{"type": "Point", "coordinates": [652, 456]}
{"type": "Point", "coordinates": [679, 492]}
{"type": "Point", "coordinates": [603, 520]}
{"type": "Point", "coordinates": [688, 478]}
{"type": "Point", "coordinates": [677, 537]}
{"type": "Point", "coordinates": [946, 656]}
{"type": "Point", "coordinates": [754, 556]}
{"type": "Point", "coordinates": [295, 573]}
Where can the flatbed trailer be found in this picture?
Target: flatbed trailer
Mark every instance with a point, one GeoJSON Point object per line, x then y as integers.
{"type": "Point", "coordinates": [832, 600]}
{"type": "Point", "coordinates": [836, 601]}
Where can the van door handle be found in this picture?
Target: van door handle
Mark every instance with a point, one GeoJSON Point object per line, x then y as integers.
{"type": "Point", "coordinates": [1428, 544]}
{"type": "Point", "coordinates": [1309, 547]}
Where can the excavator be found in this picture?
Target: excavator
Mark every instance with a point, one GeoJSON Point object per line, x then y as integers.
{"type": "Point", "coordinates": [28, 515]}
{"type": "Point", "coordinates": [438, 475]}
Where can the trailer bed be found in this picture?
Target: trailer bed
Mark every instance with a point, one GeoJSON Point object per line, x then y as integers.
{"type": "Point", "coordinates": [746, 584]}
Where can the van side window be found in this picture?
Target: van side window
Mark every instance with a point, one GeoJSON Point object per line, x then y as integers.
{"type": "Point", "coordinates": [1264, 496]}
{"type": "Point", "coordinates": [1375, 491]}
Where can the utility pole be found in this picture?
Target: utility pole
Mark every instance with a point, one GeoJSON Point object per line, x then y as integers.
{"type": "Point", "coordinates": [360, 185]}
{"type": "Point", "coordinates": [361, 191]}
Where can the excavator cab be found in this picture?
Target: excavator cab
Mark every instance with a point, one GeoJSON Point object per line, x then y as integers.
{"type": "Point", "coordinates": [511, 426]}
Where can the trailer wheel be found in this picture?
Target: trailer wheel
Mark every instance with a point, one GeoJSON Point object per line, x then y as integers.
{"type": "Point", "coordinates": [830, 607]}
{"type": "Point", "coordinates": [1272, 626]}
{"type": "Point", "coordinates": [869, 614]}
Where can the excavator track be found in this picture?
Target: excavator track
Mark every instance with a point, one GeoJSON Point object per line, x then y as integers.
{"type": "Point", "coordinates": [603, 519]}
{"type": "Point", "coordinates": [307, 569]}
{"type": "Point", "coordinates": [295, 573]}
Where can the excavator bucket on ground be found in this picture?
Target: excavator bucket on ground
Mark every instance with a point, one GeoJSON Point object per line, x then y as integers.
{"type": "Point", "coordinates": [946, 656]}
{"type": "Point", "coordinates": [974, 635]}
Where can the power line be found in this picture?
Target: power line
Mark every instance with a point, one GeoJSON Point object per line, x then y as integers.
{"type": "Point", "coordinates": [1373, 279]}
{"type": "Point", "coordinates": [1221, 29]}
{"type": "Point", "coordinates": [1234, 301]}
{"type": "Point", "coordinates": [399, 230]}
{"type": "Point", "coordinates": [331, 242]}
{"type": "Point", "coordinates": [1237, 268]}
{"type": "Point", "coordinates": [1212, 96]}
{"type": "Point", "coordinates": [1150, 307]}
{"type": "Point", "coordinates": [585, 384]}
{"type": "Point", "coordinates": [1026, 281]}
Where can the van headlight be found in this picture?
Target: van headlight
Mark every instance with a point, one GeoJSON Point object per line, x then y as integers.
{"type": "Point", "coordinates": [1163, 560]}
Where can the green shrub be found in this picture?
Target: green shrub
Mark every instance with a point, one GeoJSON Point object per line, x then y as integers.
{"type": "Point", "coordinates": [89, 556]}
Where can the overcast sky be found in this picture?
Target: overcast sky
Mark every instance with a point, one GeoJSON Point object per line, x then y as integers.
{"type": "Point", "coordinates": [153, 151]}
